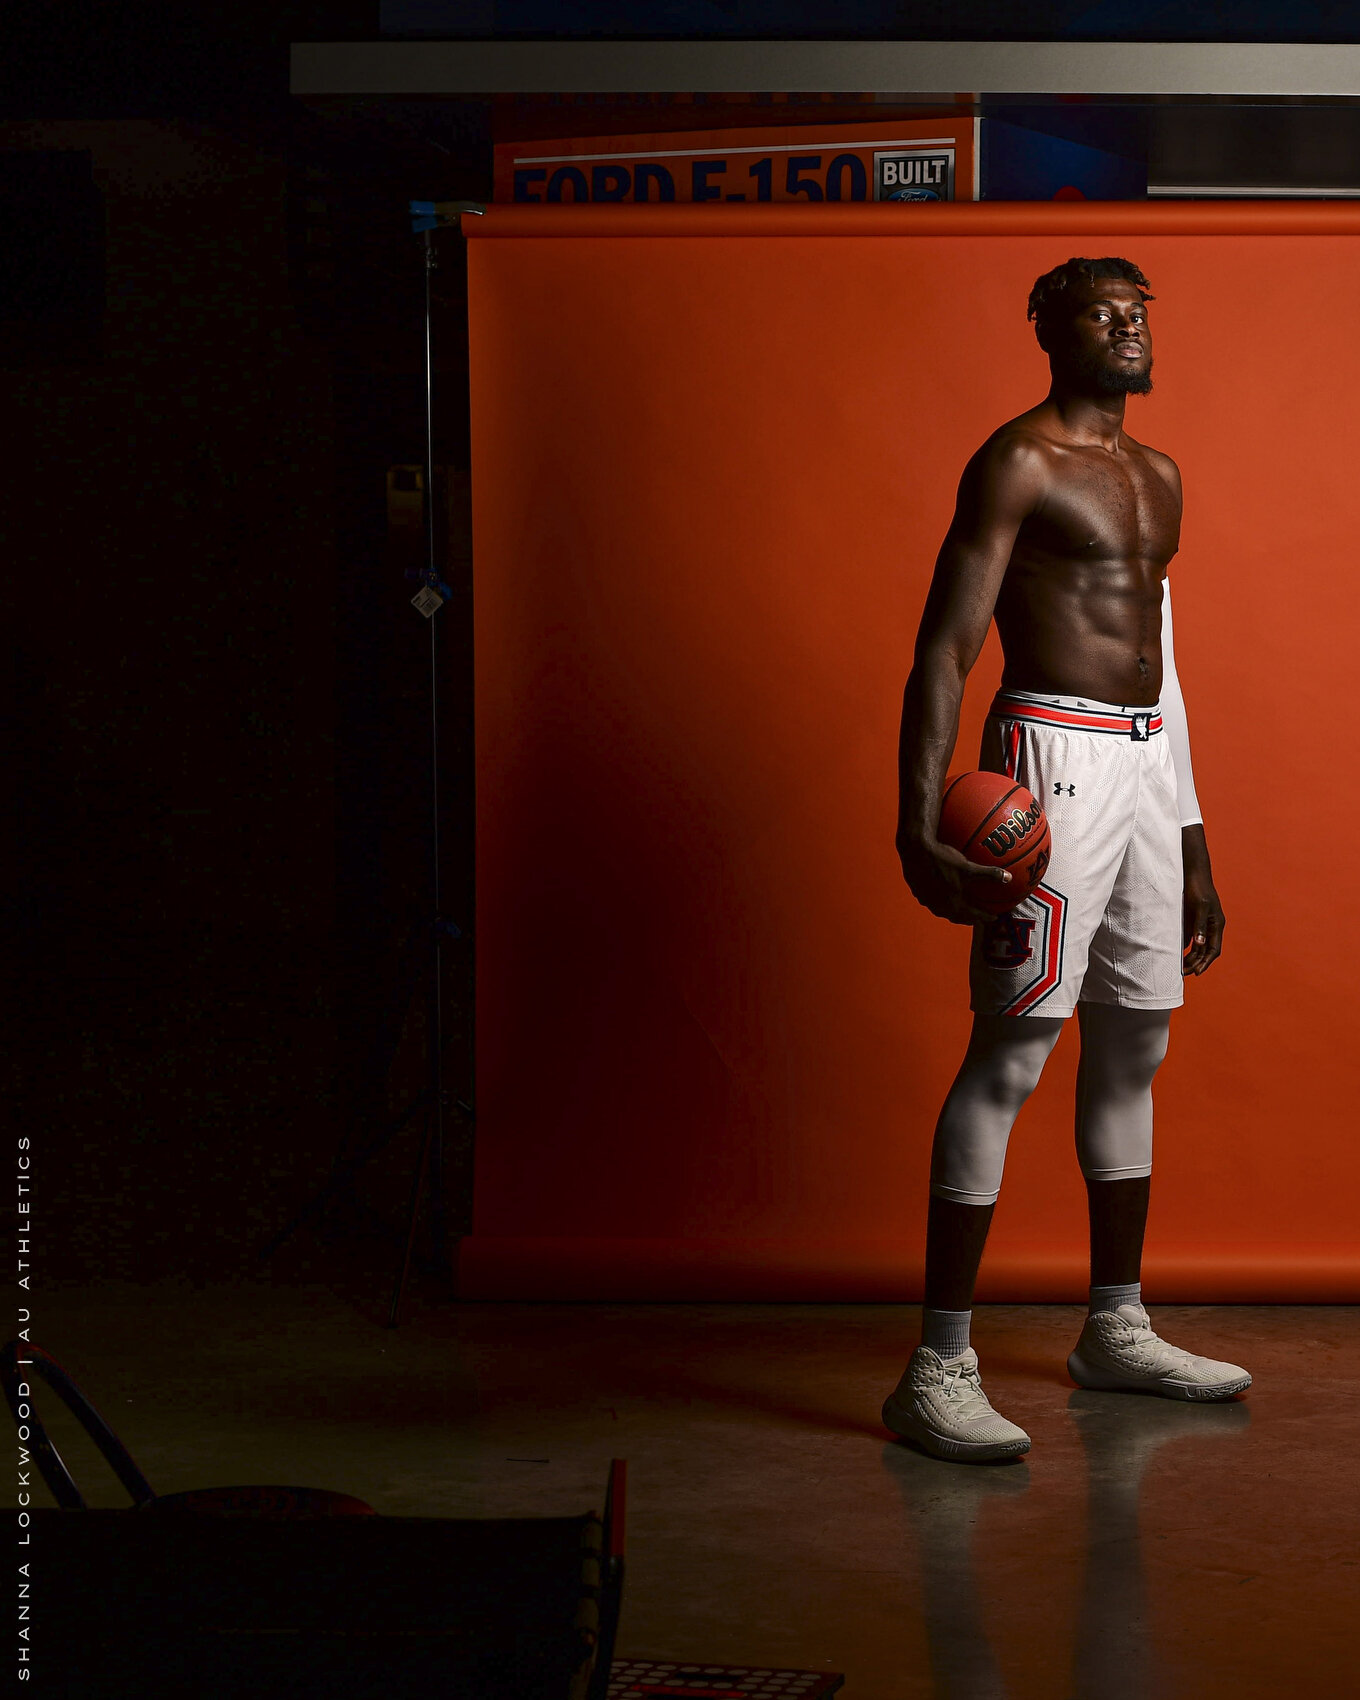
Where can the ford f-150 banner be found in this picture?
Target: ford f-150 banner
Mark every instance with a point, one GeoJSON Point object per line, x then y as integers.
{"type": "Point", "coordinates": [920, 160]}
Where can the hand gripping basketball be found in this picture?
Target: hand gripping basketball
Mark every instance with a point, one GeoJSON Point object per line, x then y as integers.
{"type": "Point", "coordinates": [996, 823]}
{"type": "Point", "coordinates": [944, 881]}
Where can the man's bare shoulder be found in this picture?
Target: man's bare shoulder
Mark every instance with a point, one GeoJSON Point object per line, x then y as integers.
{"type": "Point", "coordinates": [1034, 428]}
{"type": "Point", "coordinates": [1160, 462]}
{"type": "Point", "coordinates": [1020, 449]}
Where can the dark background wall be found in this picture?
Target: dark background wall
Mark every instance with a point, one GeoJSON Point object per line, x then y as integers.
{"type": "Point", "coordinates": [220, 715]}
{"type": "Point", "coordinates": [169, 519]}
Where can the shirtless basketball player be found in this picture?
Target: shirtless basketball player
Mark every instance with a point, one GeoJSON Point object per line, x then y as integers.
{"type": "Point", "coordinates": [1063, 531]}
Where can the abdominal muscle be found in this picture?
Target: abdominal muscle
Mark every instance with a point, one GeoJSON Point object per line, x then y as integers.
{"type": "Point", "coordinates": [1091, 629]}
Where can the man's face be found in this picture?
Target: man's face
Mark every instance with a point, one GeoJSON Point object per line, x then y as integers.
{"type": "Point", "coordinates": [1106, 345]}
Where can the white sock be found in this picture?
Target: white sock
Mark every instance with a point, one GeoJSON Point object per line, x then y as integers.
{"type": "Point", "coordinates": [946, 1331]}
{"type": "Point", "coordinates": [1110, 1298]}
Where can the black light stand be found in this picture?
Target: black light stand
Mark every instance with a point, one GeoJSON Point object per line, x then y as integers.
{"type": "Point", "coordinates": [423, 946]}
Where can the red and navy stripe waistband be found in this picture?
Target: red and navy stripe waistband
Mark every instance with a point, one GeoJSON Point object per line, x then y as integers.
{"type": "Point", "coordinates": [1077, 714]}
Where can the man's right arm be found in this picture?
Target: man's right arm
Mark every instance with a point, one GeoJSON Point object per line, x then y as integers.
{"type": "Point", "coordinates": [1005, 481]}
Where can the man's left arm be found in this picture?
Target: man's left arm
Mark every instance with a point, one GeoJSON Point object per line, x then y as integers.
{"type": "Point", "coordinates": [1203, 913]}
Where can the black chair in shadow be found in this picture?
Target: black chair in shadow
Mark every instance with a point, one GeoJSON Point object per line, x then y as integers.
{"type": "Point", "coordinates": [272, 1591]}
{"type": "Point", "coordinates": [20, 1361]}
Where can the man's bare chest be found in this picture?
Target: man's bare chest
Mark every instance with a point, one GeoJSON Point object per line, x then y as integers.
{"type": "Point", "coordinates": [1103, 507]}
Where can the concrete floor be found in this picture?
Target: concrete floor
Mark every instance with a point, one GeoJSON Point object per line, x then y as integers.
{"type": "Point", "coordinates": [1144, 1549]}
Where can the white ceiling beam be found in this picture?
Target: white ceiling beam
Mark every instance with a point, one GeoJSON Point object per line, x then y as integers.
{"type": "Point", "coordinates": [942, 68]}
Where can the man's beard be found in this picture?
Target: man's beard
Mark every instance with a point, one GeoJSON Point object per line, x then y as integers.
{"type": "Point", "coordinates": [1113, 380]}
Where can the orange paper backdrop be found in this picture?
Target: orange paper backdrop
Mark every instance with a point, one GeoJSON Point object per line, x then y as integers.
{"type": "Point", "coordinates": [714, 456]}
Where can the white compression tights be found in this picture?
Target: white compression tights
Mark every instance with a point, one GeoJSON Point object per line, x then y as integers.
{"type": "Point", "coordinates": [1121, 1050]}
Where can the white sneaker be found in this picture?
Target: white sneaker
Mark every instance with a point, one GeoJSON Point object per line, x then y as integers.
{"type": "Point", "coordinates": [1119, 1353]}
{"type": "Point", "coordinates": [939, 1403]}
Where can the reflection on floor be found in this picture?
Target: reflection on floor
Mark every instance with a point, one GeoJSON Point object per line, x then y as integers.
{"type": "Point", "coordinates": [1143, 1550]}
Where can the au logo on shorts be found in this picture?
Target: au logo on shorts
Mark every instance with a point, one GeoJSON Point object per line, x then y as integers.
{"type": "Point", "coordinates": [1006, 942]}
{"type": "Point", "coordinates": [1024, 950]}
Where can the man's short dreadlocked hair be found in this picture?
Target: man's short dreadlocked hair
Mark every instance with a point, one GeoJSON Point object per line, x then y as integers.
{"type": "Point", "coordinates": [1049, 297]}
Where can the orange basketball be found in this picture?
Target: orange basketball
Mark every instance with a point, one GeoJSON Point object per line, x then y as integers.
{"type": "Point", "coordinates": [997, 824]}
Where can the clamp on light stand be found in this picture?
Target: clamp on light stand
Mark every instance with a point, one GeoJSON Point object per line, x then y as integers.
{"type": "Point", "coordinates": [430, 215]}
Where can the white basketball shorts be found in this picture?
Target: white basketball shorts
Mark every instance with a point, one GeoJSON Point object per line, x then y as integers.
{"type": "Point", "coordinates": [1105, 923]}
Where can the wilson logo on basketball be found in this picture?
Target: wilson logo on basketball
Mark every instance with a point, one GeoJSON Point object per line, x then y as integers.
{"type": "Point", "coordinates": [1015, 829]}
{"type": "Point", "coordinates": [996, 823]}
